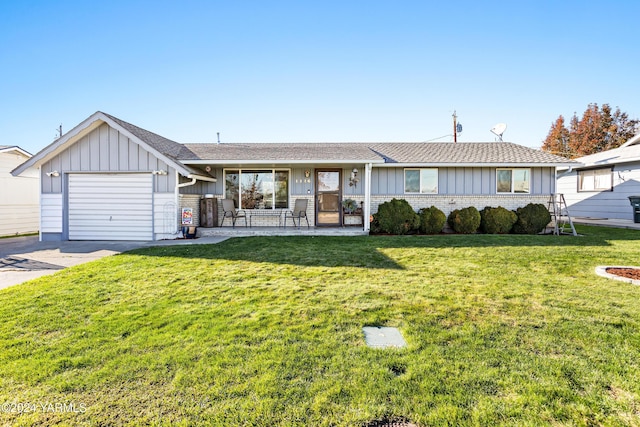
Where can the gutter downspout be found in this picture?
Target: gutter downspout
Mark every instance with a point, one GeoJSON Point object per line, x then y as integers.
{"type": "Point", "coordinates": [187, 184]}
{"type": "Point", "coordinates": [555, 183]}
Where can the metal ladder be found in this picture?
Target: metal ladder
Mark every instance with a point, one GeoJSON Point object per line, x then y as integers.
{"type": "Point", "coordinates": [560, 215]}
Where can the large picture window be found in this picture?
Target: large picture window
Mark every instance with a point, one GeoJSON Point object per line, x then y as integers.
{"type": "Point", "coordinates": [595, 180]}
{"type": "Point", "coordinates": [257, 189]}
{"type": "Point", "coordinates": [513, 180]}
{"type": "Point", "coordinates": [422, 181]}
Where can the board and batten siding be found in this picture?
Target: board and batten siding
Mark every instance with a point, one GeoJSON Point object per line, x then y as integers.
{"type": "Point", "coordinates": [459, 181]}
{"type": "Point", "coordinates": [603, 204]}
{"type": "Point", "coordinates": [106, 150]}
{"type": "Point", "coordinates": [18, 196]}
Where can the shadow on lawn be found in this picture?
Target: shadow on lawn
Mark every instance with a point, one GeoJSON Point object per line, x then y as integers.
{"type": "Point", "coordinates": [303, 251]}
{"type": "Point", "coordinates": [364, 251]}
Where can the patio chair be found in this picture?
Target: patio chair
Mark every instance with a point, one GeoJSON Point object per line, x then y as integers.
{"type": "Point", "coordinates": [299, 211]}
{"type": "Point", "coordinates": [229, 211]}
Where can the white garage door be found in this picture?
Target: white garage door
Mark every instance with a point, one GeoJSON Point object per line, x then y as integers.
{"type": "Point", "coordinates": [110, 206]}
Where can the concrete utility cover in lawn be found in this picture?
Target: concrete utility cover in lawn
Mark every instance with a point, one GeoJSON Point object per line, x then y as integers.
{"type": "Point", "coordinates": [383, 337]}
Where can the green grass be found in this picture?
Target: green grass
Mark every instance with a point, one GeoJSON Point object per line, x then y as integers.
{"type": "Point", "coordinates": [501, 330]}
{"type": "Point", "coordinates": [9, 236]}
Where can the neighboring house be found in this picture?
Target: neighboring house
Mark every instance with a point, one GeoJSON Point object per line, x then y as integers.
{"type": "Point", "coordinates": [108, 179]}
{"type": "Point", "coordinates": [600, 186]}
{"type": "Point", "coordinates": [18, 194]}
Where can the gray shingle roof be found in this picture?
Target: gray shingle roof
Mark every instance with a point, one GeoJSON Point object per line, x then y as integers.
{"type": "Point", "coordinates": [283, 152]}
{"type": "Point", "coordinates": [429, 153]}
{"type": "Point", "coordinates": [464, 153]}
{"type": "Point", "coordinates": [165, 146]}
{"type": "Point", "coordinates": [391, 152]}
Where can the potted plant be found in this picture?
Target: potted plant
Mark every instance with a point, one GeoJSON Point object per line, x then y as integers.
{"type": "Point", "coordinates": [349, 206]}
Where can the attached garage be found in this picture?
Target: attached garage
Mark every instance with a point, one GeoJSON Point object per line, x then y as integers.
{"type": "Point", "coordinates": [111, 206]}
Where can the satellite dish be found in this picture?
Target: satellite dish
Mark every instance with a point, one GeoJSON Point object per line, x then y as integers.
{"type": "Point", "coordinates": [498, 130]}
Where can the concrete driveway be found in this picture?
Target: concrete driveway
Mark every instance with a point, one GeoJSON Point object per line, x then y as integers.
{"type": "Point", "coordinates": [25, 258]}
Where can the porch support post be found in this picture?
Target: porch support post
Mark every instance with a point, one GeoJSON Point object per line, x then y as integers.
{"type": "Point", "coordinates": [367, 197]}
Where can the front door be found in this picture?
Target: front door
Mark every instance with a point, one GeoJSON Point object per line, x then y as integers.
{"type": "Point", "coordinates": [328, 195]}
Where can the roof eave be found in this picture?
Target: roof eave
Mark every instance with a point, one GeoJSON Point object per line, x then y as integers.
{"type": "Point", "coordinates": [476, 165]}
{"type": "Point", "coordinates": [84, 128]}
{"type": "Point", "coordinates": [278, 162]}
{"type": "Point", "coordinates": [632, 141]}
{"type": "Point", "coordinates": [617, 161]}
{"type": "Point", "coordinates": [16, 149]}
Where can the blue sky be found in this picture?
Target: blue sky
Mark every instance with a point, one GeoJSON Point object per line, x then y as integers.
{"type": "Point", "coordinates": [304, 71]}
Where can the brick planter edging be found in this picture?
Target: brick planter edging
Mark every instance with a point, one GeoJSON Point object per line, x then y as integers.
{"type": "Point", "coordinates": [601, 270]}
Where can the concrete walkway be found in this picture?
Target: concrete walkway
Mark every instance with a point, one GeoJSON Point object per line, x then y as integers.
{"type": "Point", "coordinates": [603, 222]}
{"type": "Point", "coordinates": [25, 258]}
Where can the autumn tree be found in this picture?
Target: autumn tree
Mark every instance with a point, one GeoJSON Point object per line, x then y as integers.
{"type": "Point", "coordinates": [557, 141]}
{"type": "Point", "coordinates": [599, 129]}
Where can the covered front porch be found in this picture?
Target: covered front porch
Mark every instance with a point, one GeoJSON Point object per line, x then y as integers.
{"type": "Point", "coordinates": [336, 195]}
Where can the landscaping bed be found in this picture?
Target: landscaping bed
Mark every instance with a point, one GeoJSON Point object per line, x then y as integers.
{"type": "Point", "coordinates": [628, 272]}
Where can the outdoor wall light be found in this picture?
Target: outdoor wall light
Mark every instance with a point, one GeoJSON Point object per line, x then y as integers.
{"type": "Point", "coordinates": [53, 173]}
{"type": "Point", "coordinates": [354, 180]}
{"type": "Point", "coordinates": [160, 172]}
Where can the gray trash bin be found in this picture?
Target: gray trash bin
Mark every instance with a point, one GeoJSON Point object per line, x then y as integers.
{"type": "Point", "coordinates": [635, 204]}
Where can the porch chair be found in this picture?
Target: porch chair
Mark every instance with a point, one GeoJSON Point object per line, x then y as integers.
{"type": "Point", "coordinates": [299, 211]}
{"type": "Point", "coordinates": [229, 211]}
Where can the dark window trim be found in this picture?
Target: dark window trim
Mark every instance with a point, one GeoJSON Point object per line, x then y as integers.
{"type": "Point", "coordinates": [590, 169]}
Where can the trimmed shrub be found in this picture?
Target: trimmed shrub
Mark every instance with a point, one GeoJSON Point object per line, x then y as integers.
{"type": "Point", "coordinates": [497, 220]}
{"type": "Point", "coordinates": [532, 219]}
{"type": "Point", "coordinates": [397, 217]}
{"type": "Point", "coordinates": [465, 221]}
{"type": "Point", "coordinates": [431, 220]}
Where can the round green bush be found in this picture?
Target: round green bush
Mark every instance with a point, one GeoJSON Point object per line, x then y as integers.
{"type": "Point", "coordinates": [397, 217]}
{"type": "Point", "coordinates": [532, 219]}
{"type": "Point", "coordinates": [497, 220]}
{"type": "Point", "coordinates": [431, 220]}
{"type": "Point", "coordinates": [465, 221]}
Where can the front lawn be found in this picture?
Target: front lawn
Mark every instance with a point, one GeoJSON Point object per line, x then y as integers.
{"type": "Point", "coordinates": [501, 330]}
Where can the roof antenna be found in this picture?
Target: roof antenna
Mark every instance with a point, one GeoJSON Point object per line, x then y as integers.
{"type": "Point", "coordinates": [457, 127]}
{"type": "Point", "coordinates": [498, 130]}
{"type": "Point", "coordinates": [218, 137]}
{"type": "Point", "coordinates": [59, 132]}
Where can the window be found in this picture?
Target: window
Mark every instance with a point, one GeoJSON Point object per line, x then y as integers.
{"type": "Point", "coordinates": [423, 181]}
{"type": "Point", "coordinates": [595, 180]}
{"type": "Point", "coordinates": [513, 180]}
{"type": "Point", "coordinates": [257, 189]}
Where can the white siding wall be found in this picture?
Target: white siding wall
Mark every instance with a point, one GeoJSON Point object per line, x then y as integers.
{"type": "Point", "coordinates": [51, 213]}
{"type": "Point", "coordinates": [18, 197]}
{"type": "Point", "coordinates": [604, 204]}
{"type": "Point", "coordinates": [165, 216]}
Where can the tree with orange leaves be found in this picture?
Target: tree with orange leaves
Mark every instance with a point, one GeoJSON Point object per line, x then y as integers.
{"type": "Point", "coordinates": [599, 129]}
